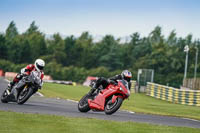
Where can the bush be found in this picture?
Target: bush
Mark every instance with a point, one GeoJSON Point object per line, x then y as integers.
{"type": "Point", "coordinates": [54, 70]}
{"type": "Point", "coordinates": [74, 73]}
{"type": "Point", "coordinates": [6, 65]}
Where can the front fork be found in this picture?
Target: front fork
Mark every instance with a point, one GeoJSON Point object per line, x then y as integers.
{"type": "Point", "coordinates": [19, 90]}
{"type": "Point", "coordinates": [114, 98]}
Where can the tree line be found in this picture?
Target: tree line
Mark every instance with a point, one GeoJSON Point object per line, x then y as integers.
{"type": "Point", "coordinates": [75, 58]}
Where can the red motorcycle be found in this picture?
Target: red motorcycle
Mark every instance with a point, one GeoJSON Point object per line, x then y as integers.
{"type": "Point", "coordinates": [108, 99]}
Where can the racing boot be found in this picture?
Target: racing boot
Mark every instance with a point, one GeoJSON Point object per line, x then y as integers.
{"type": "Point", "coordinates": [94, 87]}
{"type": "Point", "coordinates": [10, 85]}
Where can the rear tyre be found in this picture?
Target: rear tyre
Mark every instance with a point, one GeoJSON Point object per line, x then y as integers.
{"type": "Point", "coordinates": [24, 95]}
{"type": "Point", "coordinates": [111, 108]}
{"type": "Point", "coordinates": [83, 105]}
{"type": "Point", "coordinates": [4, 96]}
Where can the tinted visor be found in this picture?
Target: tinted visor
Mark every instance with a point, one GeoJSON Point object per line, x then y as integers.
{"type": "Point", "coordinates": [39, 67]}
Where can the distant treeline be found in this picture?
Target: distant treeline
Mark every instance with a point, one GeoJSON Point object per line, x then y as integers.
{"type": "Point", "coordinates": [75, 58]}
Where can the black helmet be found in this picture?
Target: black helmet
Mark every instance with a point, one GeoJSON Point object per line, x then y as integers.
{"type": "Point", "coordinates": [126, 75]}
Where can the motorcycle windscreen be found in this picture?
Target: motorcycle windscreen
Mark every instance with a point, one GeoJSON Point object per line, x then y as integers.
{"type": "Point", "coordinates": [35, 77]}
{"type": "Point", "coordinates": [124, 86]}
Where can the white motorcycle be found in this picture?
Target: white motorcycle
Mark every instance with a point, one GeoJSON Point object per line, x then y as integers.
{"type": "Point", "coordinates": [24, 89]}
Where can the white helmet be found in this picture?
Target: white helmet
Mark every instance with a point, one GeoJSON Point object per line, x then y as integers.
{"type": "Point", "coordinates": [39, 64]}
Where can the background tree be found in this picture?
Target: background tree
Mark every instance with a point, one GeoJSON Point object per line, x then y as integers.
{"type": "Point", "coordinates": [36, 41]}
{"type": "Point", "coordinates": [3, 47]}
{"type": "Point", "coordinates": [75, 58]}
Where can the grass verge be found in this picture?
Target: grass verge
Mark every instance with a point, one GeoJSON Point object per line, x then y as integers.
{"type": "Point", "coordinates": [137, 102]}
{"type": "Point", "coordinates": [34, 123]}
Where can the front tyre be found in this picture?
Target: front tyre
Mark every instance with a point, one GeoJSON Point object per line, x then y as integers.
{"type": "Point", "coordinates": [4, 97]}
{"type": "Point", "coordinates": [24, 95]}
{"type": "Point", "coordinates": [111, 108]}
{"type": "Point", "coordinates": [83, 105]}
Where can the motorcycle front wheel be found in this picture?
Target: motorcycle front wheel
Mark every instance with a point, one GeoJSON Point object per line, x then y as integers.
{"type": "Point", "coordinates": [4, 97]}
{"type": "Point", "coordinates": [83, 105]}
{"type": "Point", "coordinates": [24, 95]}
{"type": "Point", "coordinates": [111, 108]}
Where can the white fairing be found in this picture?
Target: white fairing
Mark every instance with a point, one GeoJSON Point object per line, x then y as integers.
{"type": "Point", "coordinates": [37, 75]}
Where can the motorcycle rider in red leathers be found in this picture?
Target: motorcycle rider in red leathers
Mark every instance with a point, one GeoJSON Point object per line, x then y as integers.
{"type": "Point", "coordinates": [37, 66]}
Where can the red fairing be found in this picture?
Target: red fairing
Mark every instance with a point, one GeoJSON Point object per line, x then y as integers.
{"type": "Point", "coordinates": [99, 101]}
{"type": "Point", "coordinates": [114, 98]}
{"type": "Point", "coordinates": [112, 90]}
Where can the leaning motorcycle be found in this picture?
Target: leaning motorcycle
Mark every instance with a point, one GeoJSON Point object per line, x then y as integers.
{"type": "Point", "coordinates": [108, 100]}
{"type": "Point", "coordinates": [24, 89]}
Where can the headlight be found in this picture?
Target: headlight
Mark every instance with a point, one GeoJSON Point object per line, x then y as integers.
{"type": "Point", "coordinates": [121, 89]}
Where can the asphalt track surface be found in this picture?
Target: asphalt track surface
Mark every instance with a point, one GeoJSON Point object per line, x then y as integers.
{"type": "Point", "coordinates": [42, 105]}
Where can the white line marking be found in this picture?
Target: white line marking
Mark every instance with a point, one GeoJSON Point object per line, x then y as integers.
{"type": "Point", "coordinates": [72, 100]}
{"type": "Point", "coordinates": [7, 80]}
{"type": "Point", "coordinates": [191, 119]}
{"type": "Point", "coordinates": [129, 111]}
{"type": "Point", "coordinates": [40, 94]}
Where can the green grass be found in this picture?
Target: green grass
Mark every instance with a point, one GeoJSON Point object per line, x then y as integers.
{"type": "Point", "coordinates": [64, 91]}
{"type": "Point", "coordinates": [137, 102]}
{"type": "Point", "coordinates": [34, 123]}
{"type": "Point", "coordinates": [146, 104]}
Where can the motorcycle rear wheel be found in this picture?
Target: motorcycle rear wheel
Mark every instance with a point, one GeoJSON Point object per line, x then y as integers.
{"type": "Point", "coordinates": [4, 97]}
{"type": "Point", "coordinates": [111, 108]}
{"type": "Point", "coordinates": [83, 105]}
{"type": "Point", "coordinates": [24, 95]}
